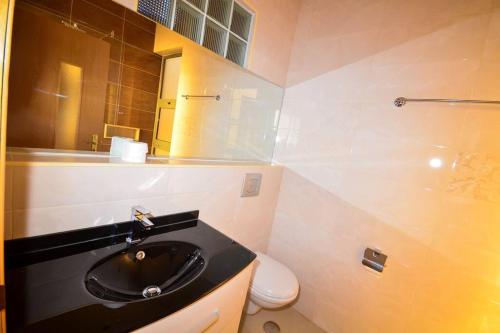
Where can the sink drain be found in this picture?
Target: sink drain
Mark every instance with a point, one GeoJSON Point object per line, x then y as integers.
{"type": "Point", "coordinates": [140, 255]}
{"type": "Point", "coordinates": [151, 291]}
{"type": "Point", "coordinates": [271, 327]}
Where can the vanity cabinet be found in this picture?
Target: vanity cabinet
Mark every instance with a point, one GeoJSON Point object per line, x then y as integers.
{"type": "Point", "coordinates": [218, 312]}
{"type": "Point", "coordinates": [104, 284]}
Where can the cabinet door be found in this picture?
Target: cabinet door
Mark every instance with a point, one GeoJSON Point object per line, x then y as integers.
{"type": "Point", "coordinates": [218, 312]}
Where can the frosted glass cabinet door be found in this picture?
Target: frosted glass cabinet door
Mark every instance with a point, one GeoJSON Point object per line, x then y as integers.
{"type": "Point", "coordinates": [219, 312]}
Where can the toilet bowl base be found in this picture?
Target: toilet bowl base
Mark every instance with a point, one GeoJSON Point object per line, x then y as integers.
{"type": "Point", "coordinates": [251, 308]}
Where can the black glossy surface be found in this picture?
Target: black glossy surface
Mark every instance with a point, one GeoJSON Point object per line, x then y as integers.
{"type": "Point", "coordinates": [123, 277]}
{"type": "Point", "coordinates": [25, 251]}
{"type": "Point", "coordinates": [46, 275]}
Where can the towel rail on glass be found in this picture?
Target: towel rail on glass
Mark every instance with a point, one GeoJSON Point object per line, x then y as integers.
{"type": "Point", "coordinates": [217, 97]}
{"type": "Point", "coordinates": [401, 101]}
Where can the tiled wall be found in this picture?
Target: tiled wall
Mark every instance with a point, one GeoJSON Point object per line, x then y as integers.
{"type": "Point", "coordinates": [47, 199]}
{"type": "Point", "coordinates": [274, 25]}
{"type": "Point", "coordinates": [420, 183]}
{"type": "Point", "coordinates": [134, 70]}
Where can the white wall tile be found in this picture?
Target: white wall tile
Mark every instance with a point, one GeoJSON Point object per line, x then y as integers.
{"type": "Point", "coordinates": [53, 199]}
{"type": "Point", "coordinates": [55, 186]}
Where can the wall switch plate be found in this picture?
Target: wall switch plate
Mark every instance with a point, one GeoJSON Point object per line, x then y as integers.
{"type": "Point", "coordinates": [251, 185]}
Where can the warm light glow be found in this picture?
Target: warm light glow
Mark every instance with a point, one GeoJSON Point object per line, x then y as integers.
{"type": "Point", "coordinates": [68, 108]}
{"type": "Point", "coordinates": [436, 163]}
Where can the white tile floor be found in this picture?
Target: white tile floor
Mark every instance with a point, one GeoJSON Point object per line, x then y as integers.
{"type": "Point", "coordinates": [289, 320]}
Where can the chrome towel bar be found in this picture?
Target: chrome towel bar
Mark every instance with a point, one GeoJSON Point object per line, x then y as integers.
{"type": "Point", "coordinates": [217, 97]}
{"type": "Point", "coordinates": [401, 101]}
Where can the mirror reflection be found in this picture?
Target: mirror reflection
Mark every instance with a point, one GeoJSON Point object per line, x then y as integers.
{"type": "Point", "coordinates": [85, 71]}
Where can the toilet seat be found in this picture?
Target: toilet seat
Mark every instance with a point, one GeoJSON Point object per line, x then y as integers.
{"type": "Point", "coordinates": [273, 282]}
{"type": "Point", "coordinates": [270, 299]}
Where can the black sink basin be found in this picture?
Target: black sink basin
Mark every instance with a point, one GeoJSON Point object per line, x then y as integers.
{"type": "Point", "coordinates": [145, 271]}
{"type": "Point", "coordinates": [92, 280]}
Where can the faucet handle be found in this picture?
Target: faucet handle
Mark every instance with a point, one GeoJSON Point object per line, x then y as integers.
{"type": "Point", "coordinates": [140, 220]}
{"type": "Point", "coordinates": [141, 215]}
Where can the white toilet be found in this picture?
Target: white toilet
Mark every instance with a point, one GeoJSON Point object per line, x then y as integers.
{"type": "Point", "coordinates": [273, 285]}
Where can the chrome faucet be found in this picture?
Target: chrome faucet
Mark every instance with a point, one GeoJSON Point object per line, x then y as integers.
{"type": "Point", "coordinates": [140, 222]}
{"type": "Point", "coordinates": [140, 214]}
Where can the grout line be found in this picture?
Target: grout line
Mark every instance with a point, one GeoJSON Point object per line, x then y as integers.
{"type": "Point", "coordinates": [47, 10]}
{"type": "Point", "coordinates": [144, 91]}
{"type": "Point", "coordinates": [135, 109]}
{"type": "Point", "coordinates": [106, 10]}
{"type": "Point", "coordinates": [139, 27]}
{"type": "Point", "coordinates": [132, 108]}
{"type": "Point", "coordinates": [133, 67]}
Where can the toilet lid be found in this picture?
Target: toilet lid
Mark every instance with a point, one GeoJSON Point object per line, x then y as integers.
{"type": "Point", "coordinates": [273, 279]}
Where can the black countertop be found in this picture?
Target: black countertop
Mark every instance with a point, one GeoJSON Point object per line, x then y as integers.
{"type": "Point", "coordinates": [45, 276]}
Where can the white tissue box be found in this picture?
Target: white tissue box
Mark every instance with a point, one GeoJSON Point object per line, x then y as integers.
{"type": "Point", "coordinates": [134, 152]}
{"type": "Point", "coordinates": [117, 144]}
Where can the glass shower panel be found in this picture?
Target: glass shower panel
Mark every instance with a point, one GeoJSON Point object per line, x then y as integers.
{"type": "Point", "coordinates": [241, 125]}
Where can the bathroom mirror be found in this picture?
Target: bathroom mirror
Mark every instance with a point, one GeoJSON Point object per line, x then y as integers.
{"type": "Point", "coordinates": [83, 71]}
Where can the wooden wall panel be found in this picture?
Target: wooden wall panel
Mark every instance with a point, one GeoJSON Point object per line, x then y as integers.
{"type": "Point", "coordinates": [40, 45]}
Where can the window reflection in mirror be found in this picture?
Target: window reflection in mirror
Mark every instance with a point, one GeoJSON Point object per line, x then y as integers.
{"type": "Point", "coordinates": [83, 71]}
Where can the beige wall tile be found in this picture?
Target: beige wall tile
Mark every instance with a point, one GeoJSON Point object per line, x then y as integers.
{"type": "Point", "coordinates": [420, 183]}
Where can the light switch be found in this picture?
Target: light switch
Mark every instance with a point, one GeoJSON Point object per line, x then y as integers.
{"type": "Point", "coordinates": [251, 185]}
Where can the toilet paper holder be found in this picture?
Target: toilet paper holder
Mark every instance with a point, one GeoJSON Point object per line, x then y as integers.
{"type": "Point", "coordinates": [374, 259]}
